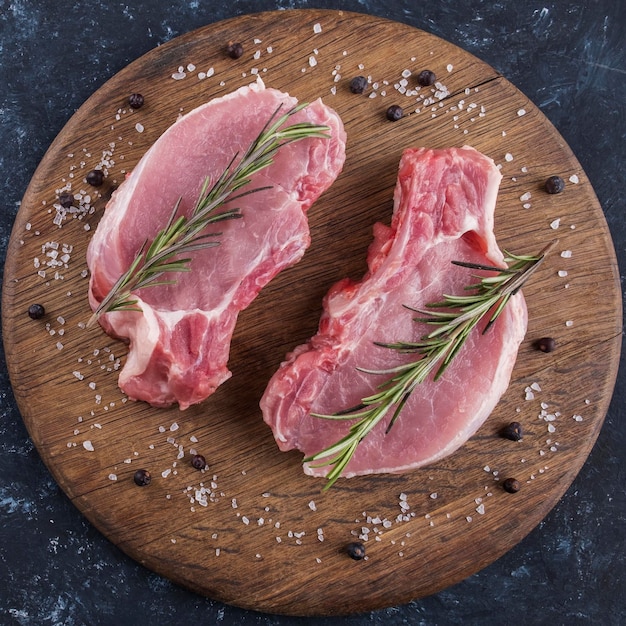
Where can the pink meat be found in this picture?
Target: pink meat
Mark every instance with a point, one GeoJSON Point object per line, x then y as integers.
{"type": "Point", "coordinates": [443, 211]}
{"type": "Point", "coordinates": [179, 344]}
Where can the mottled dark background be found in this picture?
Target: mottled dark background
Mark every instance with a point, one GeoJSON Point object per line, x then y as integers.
{"type": "Point", "coordinates": [568, 57]}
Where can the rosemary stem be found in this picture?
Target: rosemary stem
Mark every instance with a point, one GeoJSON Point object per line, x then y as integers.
{"type": "Point", "coordinates": [184, 235]}
{"type": "Point", "coordinates": [454, 319]}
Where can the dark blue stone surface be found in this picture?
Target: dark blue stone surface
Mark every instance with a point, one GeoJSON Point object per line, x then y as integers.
{"type": "Point", "coordinates": [568, 57]}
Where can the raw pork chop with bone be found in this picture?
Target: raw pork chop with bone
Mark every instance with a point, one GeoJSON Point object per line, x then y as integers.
{"type": "Point", "coordinates": [444, 206]}
{"type": "Point", "coordinates": [179, 341]}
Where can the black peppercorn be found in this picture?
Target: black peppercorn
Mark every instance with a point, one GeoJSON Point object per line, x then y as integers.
{"type": "Point", "coordinates": [358, 84]}
{"type": "Point", "coordinates": [394, 113]}
{"type": "Point", "coordinates": [36, 311]}
{"type": "Point", "coordinates": [66, 200]}
{"type": "Point", "coordinates": [511, 485]}
{"type": "Point", "coordinates": [426, 78]}
{"type": "Point", "coordinates": [512, 431]}
{"type": "Point", "coordinates": [135, 100]}
{"type": "Point", "coordinates": [356, 550]}
{"type": "Point", "coordinates": [95, 178]}
{"type": "Point", "coordinates": [554, 184]}
{"type": "Point", "coordinates": [142, 477]}
{"type": "Point", "coordinates": [545, 344]}
{"type": "Point", "coordinates": [234, 50]}
{"type": "Point", "coordinates": [198, 461]}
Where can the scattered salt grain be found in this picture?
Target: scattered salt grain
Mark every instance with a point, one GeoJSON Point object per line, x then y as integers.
{"type": "Point", "coordinates": [577, 418]}
{"type": "Point", "coordinates": [555, 223]}
{"type": "Point", "coordinates": [139, 127]}
{"type": "Point", "coordinates": [521, 112]}
{"type": "Point", "coordinates": [449, 67]}
{"type": "Point", "coordinates": [317, 28]}
{"type": "Point", "coordinates": [112, 476]}
{"type": "Point", "coordinates": [574, 179]}
{"type": "Point", "coordinates": [312, 506]}
{"type": "Point", "coordinates": [480, 509]}
{"type": "Point", "coordinates": [312, 61]}
{"type": "Point", "coordinates": [88, 445]}
{"type": "Point", "coordinates": [569, 323]}
{"type": "Point", "coordinates": [562, 273]}
{"type": "Point", "coordinates": [508, 157]}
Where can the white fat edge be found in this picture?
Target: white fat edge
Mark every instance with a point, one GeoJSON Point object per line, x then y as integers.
{"type": "Point", "coordinates": [137, 359]}
{"type": "Point", "coordinates": [494, 254]}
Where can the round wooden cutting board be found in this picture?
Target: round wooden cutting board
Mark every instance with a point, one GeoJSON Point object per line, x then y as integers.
{"type": "Point", "coordinates": [253, 530]}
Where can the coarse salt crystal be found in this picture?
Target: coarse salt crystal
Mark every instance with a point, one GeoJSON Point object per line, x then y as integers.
{"type": "Point", "coordinates": [317, 28]}
{"type": "Point", "coordinates": [449, 67]}
{"type": "Point", "coordinates": [562, 273]}
{"type": "Point", "coordinates": [569, 323]}
{"type": "Point", "coordinates": [312, 506]}
{"type": "Point", "coordinates": [574, 179]}
{"type": "Point", "coordinates": [434, 495]}
{"type": "Point", "coordinates": [577, 418]}
{"type": "Point", "coordinates": [178, 75]}
{"type": "Point", "coordinates": [521, 112]}
{"type": "Point", "coordinates": [88, 445]}
{"type": "Point", "coordinates": [480, 509]}
{"type": "Point", "coordinates": [508, 157]}
{"type": "Point", "coordinates": [555, 223]}
{"type": "Point", "coordinates": [312, 61]}
{"type": "Point", "coordinates": [139, 127]}
{"type": "Point", "coordinates": [112, 476]}
{"type": "Point", "coordinates": [525, 196]}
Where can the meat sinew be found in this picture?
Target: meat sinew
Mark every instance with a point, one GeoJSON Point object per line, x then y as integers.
{"type": "Point", "coordinates": [179, 343]}
{"type": "Point", "coordinates": [444, 205]}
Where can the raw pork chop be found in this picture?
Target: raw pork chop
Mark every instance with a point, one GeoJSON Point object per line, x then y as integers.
{"type": "Point", "coordinates": [179, 343]}
{"type": "Point", "coordinates": [443, 211]}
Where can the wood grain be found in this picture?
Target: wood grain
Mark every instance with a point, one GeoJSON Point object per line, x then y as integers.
{"type": "Point", "coordinates": [258, 541]}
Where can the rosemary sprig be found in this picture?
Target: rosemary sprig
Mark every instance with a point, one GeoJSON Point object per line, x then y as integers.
{"type": "Point", "coordinates": [183, 235]}
{"type": "Point", "coordinates": [454, 319]}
